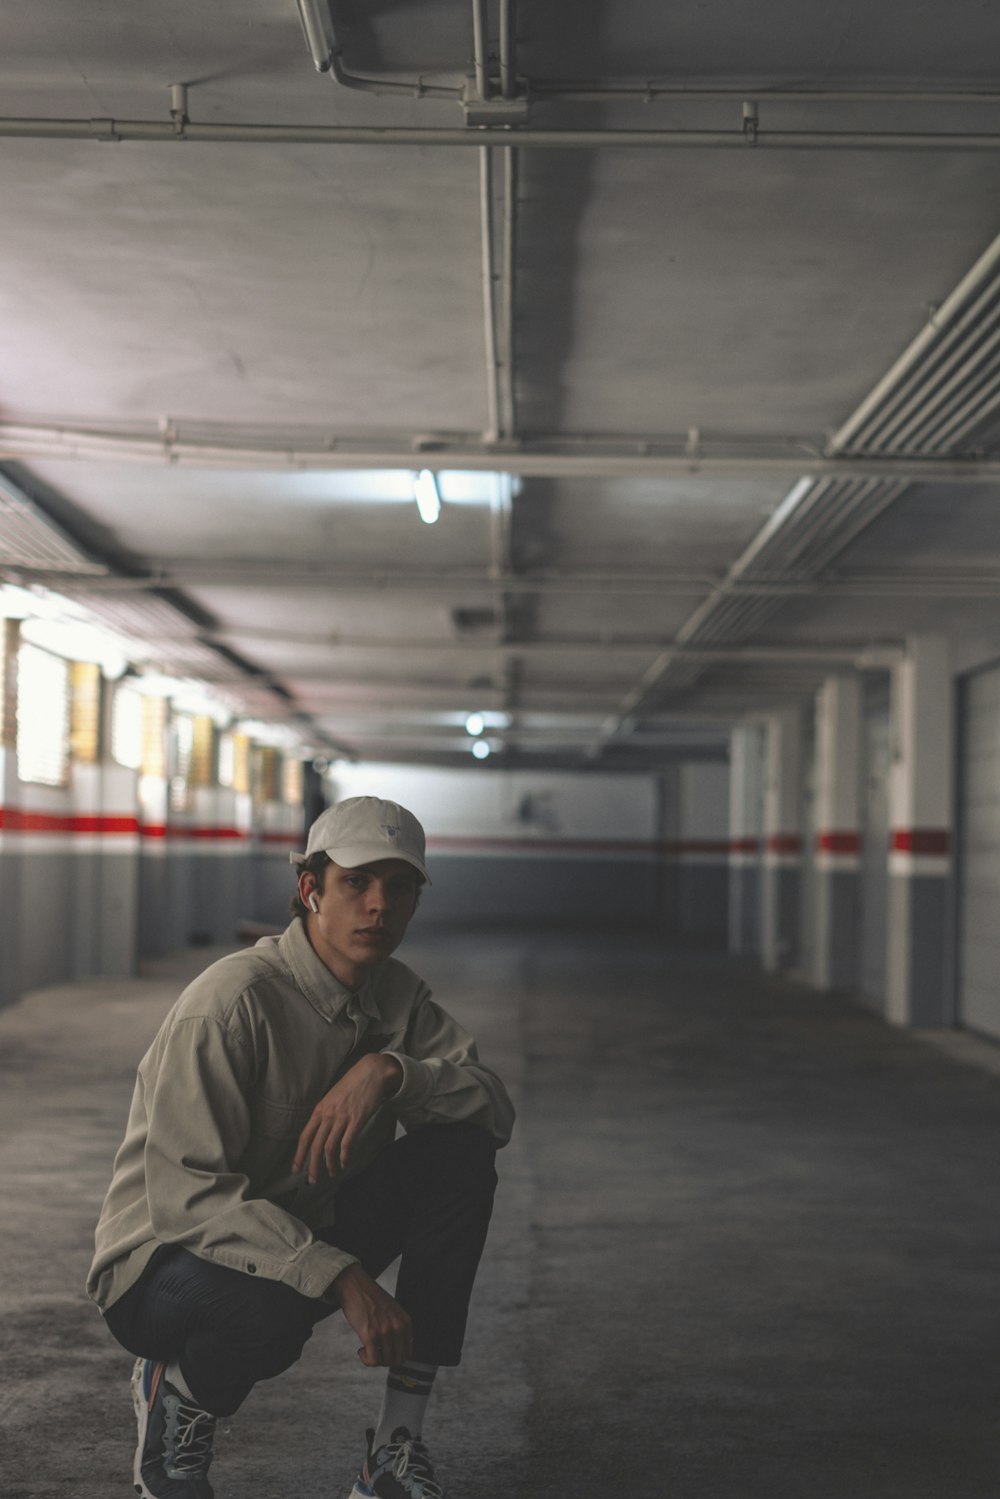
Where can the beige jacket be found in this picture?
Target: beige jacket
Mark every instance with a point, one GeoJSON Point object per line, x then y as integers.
{"type": "Point", "coordinates": [225, 1089]}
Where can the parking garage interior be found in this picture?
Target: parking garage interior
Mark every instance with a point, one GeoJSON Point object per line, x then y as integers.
{"type": "Point", "coordinates": [579, 424]}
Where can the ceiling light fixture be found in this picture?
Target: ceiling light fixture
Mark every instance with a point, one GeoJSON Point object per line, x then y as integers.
{"type": "Point", "coordinates": [481, 749]}
{"type": "Point", "coordinates": [427, 495]}
{"type": "Point", "coordinates": [475, 724]}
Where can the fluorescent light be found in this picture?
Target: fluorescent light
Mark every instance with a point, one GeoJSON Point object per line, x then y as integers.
{"type": "Point", "coordinates": [475, 724]}
{"type": "Point", "coordinates": [481, 749]}
{"type": "Point", "coordinates": [427, 496]}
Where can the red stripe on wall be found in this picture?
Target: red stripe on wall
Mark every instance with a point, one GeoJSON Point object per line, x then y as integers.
{"type": "Point", "coordinates": [839, 843]}
{"type": "Point", "coordinates": [14, 820]}
{"type": "Point", "coordinates": [534, 845]}
{"type": "Point", "coordinates": [293, 838]}
{"type": "Point", "coordinates": [162, 830]}
{"type": "Point", "coordinates": [744, 846]}
{"type": "Point", "coordinates": [784, 843]}
{"type": "Point", "coordinates": [920, 840]}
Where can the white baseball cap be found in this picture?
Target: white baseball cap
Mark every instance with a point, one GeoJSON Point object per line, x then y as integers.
{"type": "Point", "coordinates": [364, 829]}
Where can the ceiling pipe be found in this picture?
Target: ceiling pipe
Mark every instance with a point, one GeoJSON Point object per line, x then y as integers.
{"type": "Point", "coordinates": [508, 45]}
{"type": "Point", "coordinates": [480, 48]}
{"type": "Point", "coordinates": [492, 432]}
{"type": "Point", "coordinates": [952, 316]}
{"type": "Point", "coordinates": [594, 91]}
{"type": "Point", "coordinates": [108, 129]}
{"type": "Point", "coordinates": [544, 456]}
{"type": "Point", "coordinates": [948, 583]}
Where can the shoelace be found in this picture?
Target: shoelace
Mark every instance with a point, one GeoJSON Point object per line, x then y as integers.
{"type": "Point", "coordinates": [193, 1432]}
{"type": "Point", "coordinates": [412, 1457]}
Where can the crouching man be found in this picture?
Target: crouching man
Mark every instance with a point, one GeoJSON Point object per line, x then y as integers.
{"type": "Point", "coordinates": [260, 1186]}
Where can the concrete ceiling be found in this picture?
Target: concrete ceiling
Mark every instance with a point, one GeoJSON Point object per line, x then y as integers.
{"type": "Point", "coordinates": [222, 360]}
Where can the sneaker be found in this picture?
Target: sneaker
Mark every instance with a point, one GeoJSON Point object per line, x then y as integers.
{"type": "Point", "coordinates": [399, 1470]}
{"type": "Point", "coordinates": [175, 1438]}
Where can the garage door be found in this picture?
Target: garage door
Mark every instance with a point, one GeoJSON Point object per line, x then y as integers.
{"type": "Point", "coordinates": [979, 855]}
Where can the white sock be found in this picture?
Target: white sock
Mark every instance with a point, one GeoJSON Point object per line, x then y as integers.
{"type": "Point", "coordinates": [172, 1374]}
{"type": "Point", "coordinates": [407, 1391]}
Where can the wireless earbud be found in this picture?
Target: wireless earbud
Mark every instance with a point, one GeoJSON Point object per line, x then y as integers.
{"type": "Point", "coordinates": [313, 904]}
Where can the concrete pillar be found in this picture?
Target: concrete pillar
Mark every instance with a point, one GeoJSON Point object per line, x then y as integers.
{"type": "Point", "coordinates": [746, 769]}
{"type": "Point", "coordinates": [838, 836]}
{"type": "Point", "coordinates": [920, 815]}
{"type": "Point", "coordinates": [9, 907]}
{"type": "Point", "coordinates": [782, 864]}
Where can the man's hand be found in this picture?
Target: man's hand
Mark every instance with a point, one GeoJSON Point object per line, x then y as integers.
{"type": "Point", "coordinates": [341, 1115]}
{"type": "Point", "coordinates": [384, 1328]}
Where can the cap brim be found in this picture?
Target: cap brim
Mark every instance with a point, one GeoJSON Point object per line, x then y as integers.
{"type": "Point", "coordinates": [357, 854]}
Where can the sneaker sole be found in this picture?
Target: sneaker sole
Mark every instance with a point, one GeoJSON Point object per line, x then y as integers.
{"type": "Point", "coordinates": [361, 1491]}
{"type": "Point", "coordinates": [142, 1420]}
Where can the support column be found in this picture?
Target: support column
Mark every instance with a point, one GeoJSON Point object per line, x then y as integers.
{"type": "Point", "coordinates": [838, 835]}
{"type": "Point", "coordinates": [10, 923]}
{"type": "Point", "coordinates": [745, 825]}
{"type": "Point", "coordinates": [782, 840]}
{"type": "Point", "coordinates": [920, 814]}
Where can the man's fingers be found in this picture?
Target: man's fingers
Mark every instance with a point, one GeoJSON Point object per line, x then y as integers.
{"type": "Point", "coordinates": [347, 1144]}
{"type": "Point", "coordinates": [305, 1140]}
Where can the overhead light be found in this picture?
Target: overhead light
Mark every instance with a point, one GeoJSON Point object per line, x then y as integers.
{"type": "Point", "coordinates": [311, 16]}
{"type": "Point", "coordinates": [475, 724]}
{"type": "Point", "coordinates": [481, 749]}
{"type": "Point", "coordinates": [427, 496]}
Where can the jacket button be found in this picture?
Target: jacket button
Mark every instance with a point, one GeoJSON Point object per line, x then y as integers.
{"type": "Point", "coordinates": [252, 1269]}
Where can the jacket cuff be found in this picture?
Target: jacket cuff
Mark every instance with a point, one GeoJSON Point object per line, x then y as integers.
{"type": "Point", "coordinates": [316, 1268]}
{"type": "Point", "coordinates": [416, 1087]}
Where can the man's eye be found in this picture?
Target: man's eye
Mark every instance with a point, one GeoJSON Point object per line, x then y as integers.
{"type": "Point", "coordinates": [357, 881]}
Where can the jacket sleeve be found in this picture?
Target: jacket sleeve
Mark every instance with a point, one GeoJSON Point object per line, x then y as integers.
{"type": "Point", "coordinates": [198, 1126]}
{"type": "Point", "coordinates": [443, 1079]}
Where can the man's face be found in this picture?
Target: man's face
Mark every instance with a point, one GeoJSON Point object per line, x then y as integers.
{"type": "Point", "coordinates": [363, 915]}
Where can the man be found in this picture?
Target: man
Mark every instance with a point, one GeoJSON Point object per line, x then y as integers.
{"type": "Point", "coordinates": [260, 1186]}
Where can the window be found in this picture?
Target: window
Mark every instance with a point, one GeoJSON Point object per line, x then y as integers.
{"type": "Point", "coordinates": [84, 712]}
{"type": "Point", "coordinates": [42, 717]}
{"type": "Point", "coordinates": [126, 728]}
{"type": "Point", "coordinates": [291, 781]}
{"type": "Point", "coordinates": [182, 736]}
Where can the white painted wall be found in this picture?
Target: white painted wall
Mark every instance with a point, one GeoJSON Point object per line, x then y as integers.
{"type": "Point", "coordinates": [481, 803]}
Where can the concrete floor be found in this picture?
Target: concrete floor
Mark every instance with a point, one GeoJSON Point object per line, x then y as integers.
{"type": "Point", "coordinates": [745, 1247]}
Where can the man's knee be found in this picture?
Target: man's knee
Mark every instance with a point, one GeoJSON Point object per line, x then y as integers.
{"type": "Point", "coordinates": [463, 1154]}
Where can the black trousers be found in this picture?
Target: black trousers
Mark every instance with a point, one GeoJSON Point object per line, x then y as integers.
{"type": "Point", "coordinates": [427, 1197]}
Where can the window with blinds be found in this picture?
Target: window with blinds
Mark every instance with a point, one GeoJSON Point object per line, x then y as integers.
{"type": "Point", "coordinates": [43, 699]}
{"type": "Point", "coordinates": [154, 736]}
{"type": "Point", "coordinates": [182, 749]}
{"type": "Point", "coordinates": [291, 781]}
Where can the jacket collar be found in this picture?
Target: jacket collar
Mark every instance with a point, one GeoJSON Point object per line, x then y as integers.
{"type": "Point", "coordinates": [327, 995]}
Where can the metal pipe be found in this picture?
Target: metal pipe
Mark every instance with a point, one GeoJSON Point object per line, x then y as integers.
{"type": "Point", "coordinates": [967, 417]}
{"type": "Point", "coordinates": [556, 646]}
{"type": "Point", "coordinates": [593, 91]}
{"type": "Point", "coordinates": [506, 392]}
{"type": "Point", "coordinates": [368, 84]}
{"type": "Point", "coordinates": [543, 456]}
{"type": "Point", "coordinates": [508, 48]}
{"type": "Point", "coordinates": [152, 131]}
{"type": "Point", "coordinates": [492, 432]}
{"type": "Point", "coordinates": [181, 573]}
{"type": "Point", "coordinates": [950, 310]}
{"type": "Point", "coordinates": [479, 48]}
{"type": "Point", "coordinates": [948, 369]}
